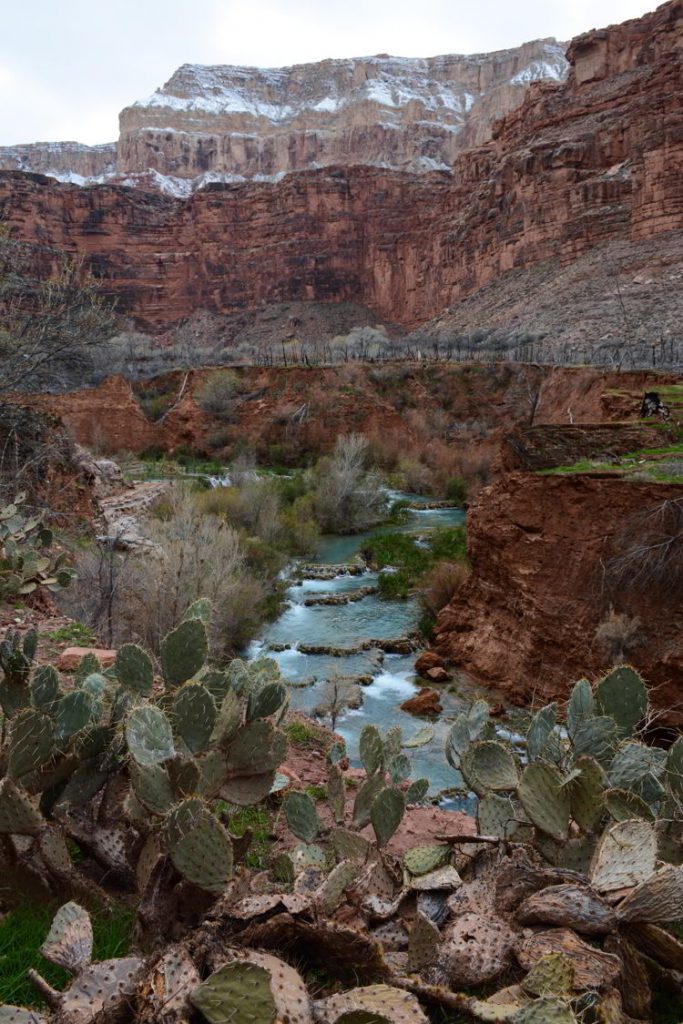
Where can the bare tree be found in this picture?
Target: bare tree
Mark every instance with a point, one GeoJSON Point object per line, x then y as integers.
{"type": "Point", "coordinates": [51, 315]}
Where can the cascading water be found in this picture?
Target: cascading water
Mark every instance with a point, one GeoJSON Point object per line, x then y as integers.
{"type": "Point", "coordinates": [346, 628]}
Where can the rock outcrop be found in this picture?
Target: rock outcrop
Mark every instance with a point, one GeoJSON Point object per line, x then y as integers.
{"type": "Point", "coordinates": [579, 165]}
{"type": "Point", "coordinates": [388, 111]}
{"type": "Point", "coordinates": [526, 620]}
{"type": "Point", "coordinates": [66, 161]}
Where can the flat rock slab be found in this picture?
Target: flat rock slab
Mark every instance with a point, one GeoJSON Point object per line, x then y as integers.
{"type": "Point", "coordinates": [70, 658]}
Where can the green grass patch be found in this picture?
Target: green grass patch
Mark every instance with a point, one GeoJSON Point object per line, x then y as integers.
{"type": "Point", "coordinates": [23, 931]}
{"type": "Point", "coordinates": [306, 734]}
{"type": "Point", "coordinates": [317, 792]}
{"type": "Point", "coordinates": [75, 634]}
{"type": "Point", "coordinates": [409, 560]}
{"type": "Point", "coordinates": [259, 820]}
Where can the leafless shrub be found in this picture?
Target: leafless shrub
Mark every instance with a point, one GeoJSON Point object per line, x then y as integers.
{"type": "Point", "coordinates": [618, 634]}
{"type": "Point", "coordinates": [649, 550]}
{"type": "Point", "coordinates": [441, 584]}
{"type": "Point", "coordinates": [219, 394]}
{"type": "Point", "coordinates": [348, 497]}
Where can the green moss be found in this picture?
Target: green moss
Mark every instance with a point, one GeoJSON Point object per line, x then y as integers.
{"type": "Point", "coordinates": [22, 933]}
{"type": "Point", "coordinates": [317, 792]}
{"type": "Point", "coordinates": [260, 821]}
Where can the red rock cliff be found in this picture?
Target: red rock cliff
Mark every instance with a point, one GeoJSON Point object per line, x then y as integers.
{"type": "Point", "coordinates": [526, 620]}
{"type": "Point", "coordinates": [597, 159]}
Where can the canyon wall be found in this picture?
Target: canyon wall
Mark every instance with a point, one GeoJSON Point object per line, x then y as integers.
{"type": "Point", "coordinates": [68, 161]}
{"type": "Point", "coordinates": [526, 620]}
{"type": "Point", "coordinates": [578, 165]}
{"type": "Point", "coordinates": [390, 111]}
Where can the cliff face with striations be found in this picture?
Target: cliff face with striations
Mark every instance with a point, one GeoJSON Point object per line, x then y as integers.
{"type": "Point", "coordinates": [592, 162]}
{"type": "Point", "coordinates": [68, 161]}
{"type": "Point", "coordinates": [526, 620]}
{"type": "Point", "coordinates": [388, 111]}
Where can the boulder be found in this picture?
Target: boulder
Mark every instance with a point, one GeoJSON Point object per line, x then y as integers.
{"type": "Point", "coordinates": [427, 661]}
{"type": "Point", "coordinates": [70, 658]}
{"type": "Point", "coordinates": [437, 675]}
{"type": "Point", "coordinates": [426, 702]}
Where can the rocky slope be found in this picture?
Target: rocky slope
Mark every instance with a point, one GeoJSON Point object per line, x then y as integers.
{"type": "Point", "coordinates": [223, 122]}
{"type": "Point", "coordinates": [594, 162]}
{"type": "Point", "coordinates": [526, 620]}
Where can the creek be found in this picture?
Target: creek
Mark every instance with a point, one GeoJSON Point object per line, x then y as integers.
{"type": "Point", "coordinates": [390, 679]}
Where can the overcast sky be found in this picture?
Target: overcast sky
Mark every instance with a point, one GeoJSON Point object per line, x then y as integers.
{"type": "Point", "coordinates": [67, 67]}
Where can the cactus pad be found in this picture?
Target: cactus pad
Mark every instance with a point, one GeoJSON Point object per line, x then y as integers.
{"type": "Point", "coordinates": [371, 749]}
{"type": "Point", "coordinates": [640, 769]}
{"type": "Point", "coordinates": [101, 988]}
{"type": "Point", "coordinates": [331, 892]}
{"type": "Point", "coordinates": [540, 731]}
{"type": "Point", "coordinates": [70, 939]}
{"type": "Point", "coordinates": [183, 652]}
{"type": "Point", "coordinates": [152, 787]}
{"type": "Point", "coordinates": [658, 899]}
{"type": "Point", "coordinates": [544, 1011]}
{"type": "Point", "coordinates": [20, 1015]}
{"type": "Point", "coordinates": [552, 975]}
{"type": "Point", "coordinates": [545, 799]}
{"type": "Point", "coordinates": [399, 769]}
{"type": "Point", "coordinates": [45, 687]}
{"type": "Point", "coordinates": [580, 706]}
{"type": "Point", "coordinates": [674, 768]}
{"type": "Point", "coordinates": [423, 942]}
{"type": "Point", "coordinates": [246, 790]}
{"type": "Point", "coordinates": [422, 859]}
{"type": "Point", "coordinates": [488, 765]}
{"type": "Point", "coordinates": [204, 855]}
{"type": "Point", "coordinates": [134, 669]}
{"type": "Point", "coordinates": [595, 737]}
{"type": "Point", "coordinates": [477, 948]}
{"type": "Point", "coordinates": [194, 716]}
{"type": "Point", "coordinates": [336, 792]}
{"type": "Point", "coordinates": [421, 737]}
{"type": "Point", "coordinates": [625, 856]}
{"type": "Point", "coordinates": [417, 791]}
{"type": "Point", "coordinates": [149, 735]}
{"type": "Point", "coordinates": [568, 906]}
{"type": "Point", "coordinates": [496, 816]}
{"type": "Point", "coordinates": [228, 720]}
{"type": "Point", "coordinates": [586, 793]}
{"type": "Point", "coordinates": [350, 845]}
{"type": "Point", "coordinates": [18, 813]}
{"type": "Point", "coordinates": [592, 967]}
{"type": "Point", "coordinates": [386, 813]}
{"type": "Point", "coordinates": [623, 696]}
{"type": "Point", "coordinates": [167, 989]}
{"type": "Point", "coordinates": [365, 798]}
{"type": "Point", "coordinates": [266, 701]}
{"type": "Point", "coordinates": [258, 747]}
{"type": "Point", "coordinates": [302, 816]}
{"type": "Point", "coordinates": [75, 712]}
{"type": "Point", "coordinates": [30, 742]}
{"type": "Point", "coordinates": [622, 804]}
{"type": "Point", "coordinates": [239, 993]}
{"type": "Point", "coordinates": [378, 1001]}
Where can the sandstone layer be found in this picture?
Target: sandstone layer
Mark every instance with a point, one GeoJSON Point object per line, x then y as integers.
{"type": "Point", "coordinates": [68, 161]}
{"type": "Point", "coordinates": [526, 620]}
{"type": "Point", "coordinates": [592, 162]}
{"type": "Point", "coordinates": [389, 111]}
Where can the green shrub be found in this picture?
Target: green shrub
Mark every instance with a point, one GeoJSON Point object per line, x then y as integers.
{"type": "Point", "coordinates": [219, 394]}
{"type": "Point", "coordinates": [456, 490]}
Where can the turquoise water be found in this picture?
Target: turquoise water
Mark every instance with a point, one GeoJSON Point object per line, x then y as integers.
{"type": "Point", "coordinates": [344, 627]}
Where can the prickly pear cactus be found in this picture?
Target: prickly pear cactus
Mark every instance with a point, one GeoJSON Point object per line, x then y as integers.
{"type": "Point", "coordinates": [149, 736]}
{"type": "Point", "coordinates": [623, 696]}
{"type": "Point", "coordinates": [69, 942]}
{"type": "Point", "coordinates": [134, 669]}
{"type": "Point", "coordinates": [302, 816]}
{"type": "Point", "coordinates": [371, 749]}
{"type": "Point", "coordinates": [183, 652]}
{"type": "Point", "coordinates": [386, 814]}
{"type": "Point", "coordinates": [545, 799]}
{"type": "Point", "coordinates": [488, 765]}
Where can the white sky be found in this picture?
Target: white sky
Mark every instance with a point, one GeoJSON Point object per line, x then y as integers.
{"type": "Point", "coordinates": [67, 67]}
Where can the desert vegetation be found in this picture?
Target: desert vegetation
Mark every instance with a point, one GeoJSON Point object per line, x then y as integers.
{"type": "Point", "coordinates": [131, 788]}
